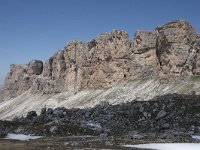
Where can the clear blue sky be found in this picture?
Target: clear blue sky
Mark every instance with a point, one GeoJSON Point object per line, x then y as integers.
{"type": "Point", "coordinates": [35, 29]}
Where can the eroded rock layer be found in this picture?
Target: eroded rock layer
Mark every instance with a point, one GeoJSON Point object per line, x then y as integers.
{"type": "Point", "coordinates": [171, 51]}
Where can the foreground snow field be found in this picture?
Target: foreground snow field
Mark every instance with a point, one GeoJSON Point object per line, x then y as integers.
{"type": "Point", "coordinates": [168, 146]}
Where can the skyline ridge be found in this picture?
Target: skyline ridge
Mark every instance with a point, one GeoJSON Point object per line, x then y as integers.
{"type": "Point", "coordinates": [36, 29]}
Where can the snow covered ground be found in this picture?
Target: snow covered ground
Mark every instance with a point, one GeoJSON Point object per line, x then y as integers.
{"type": "Point", "coordinates": [21, 137]}
{"type": "Point", "coordinates": [168, 146]}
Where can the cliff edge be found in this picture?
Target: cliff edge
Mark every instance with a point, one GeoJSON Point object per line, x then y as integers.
{"type": "Point", "coordinates": [171, 51]}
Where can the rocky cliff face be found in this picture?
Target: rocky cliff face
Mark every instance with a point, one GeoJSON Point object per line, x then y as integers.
{"type": "Point", "coordinates": [176, 48]}
{"type": "Point", "coordinates": [21, 78]}
{"type": "Point", "coordinates": [171, 51]}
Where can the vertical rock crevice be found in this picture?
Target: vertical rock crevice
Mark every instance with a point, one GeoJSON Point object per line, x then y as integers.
{"type": "Point", "coordinates": [75, 69]}
{"type": "Point", "coordinates": [174, 48]}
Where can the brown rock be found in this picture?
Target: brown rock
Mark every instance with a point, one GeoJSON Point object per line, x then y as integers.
{"type": "Point", "coordinates": [46, 86]}
{"type": "Point", "coordinates": [105, 62]}
{"type": "Point", "coordinates": [173, 49]}
{"type": "Point", "coordinates": [47, 70]}
{"type": "Point", "coordinates": [113, 45]}
{"type": "Point", "coordinates": [144, 51]}
{"type": "Point", "coordinates": [178, 31]}
{"type": "Point", "coordinates": [17, 81]}
{"type": "Point", "coordinates": [75, 58]}
{"type": "Point", "coordinates": [20, 78]}
{"type": "Point", "coordinates": [196, 49]}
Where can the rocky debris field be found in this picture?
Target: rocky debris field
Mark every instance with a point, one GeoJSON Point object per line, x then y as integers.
{"type": "Point", "coordinates": [174, 116]}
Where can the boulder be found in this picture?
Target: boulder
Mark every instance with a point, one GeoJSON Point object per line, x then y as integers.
{"type": "Point", "coordinates": [35, 67]}
{"type": "Point", "coordinates": [49, 111]}
{"type": "Point", "coordinates": [161, 114]}
{"type": "Point", "coordinates": [31, 114]}
{"type": "Point", "coordinates": [43, 111]}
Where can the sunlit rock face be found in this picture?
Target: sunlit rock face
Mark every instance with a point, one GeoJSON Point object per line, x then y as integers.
{"type": "Point", "coordinates": [20, 78]}
{"type": "Point", "coordinates": [172, 50]}
{"type": "Point", "coordinates": [176, 47]}
{"type": "Point", "coordinates": [145, 48]}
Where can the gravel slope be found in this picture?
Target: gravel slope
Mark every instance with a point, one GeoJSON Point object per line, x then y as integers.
{"type": "Point", "coordinates": [127, 91]}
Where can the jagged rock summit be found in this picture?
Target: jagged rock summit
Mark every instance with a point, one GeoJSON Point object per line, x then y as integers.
{"type": "Point", "coordinates": [170, 51]}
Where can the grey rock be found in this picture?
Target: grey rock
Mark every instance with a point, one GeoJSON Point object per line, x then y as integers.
{"type": "Point", "coordinates": [53, 129]}
{"type": "Point", "coordinates": [35, 67]}
{"type": "Point", "coordinates": [103, 137]}
{"type": "Point", "coordinates": [141, 109]}
{"type": "Point", "coordinates": [161, 114]}
{"type": "Point", "coordinates": [3, 131]}
{"type": "Point", "coordinates": [135, 135]}
{"type": "Point", "coordinates": [104, 103]}
{"type": "Point", "coordinates": [31, 115]}
{"type": "Point", "coordinates": [49, 111]}
{"type": "Point", "coordinates": [166, 125]}
{"type": "Point", "coordinates": [145, 114]}
{"type": "Point", "coordinates": [58, 113]}
{"type": "Point", "coordinates": [197, 130]}
{"type": "Point", "coordinates": [43, 111]}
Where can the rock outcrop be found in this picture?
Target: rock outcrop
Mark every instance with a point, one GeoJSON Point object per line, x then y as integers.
{"type": "Point", "coordinates": [21, 77]}
{"type": "Point", "coordinates": [171, 51]}
{"type": "Point", "coordinates": [144, 49]}
{"type": "Point", "coordinates": [175, 47]}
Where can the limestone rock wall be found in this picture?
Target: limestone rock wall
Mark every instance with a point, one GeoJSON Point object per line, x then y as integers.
{"type": "Point", "coordinates": [144, 49]}
{"type": "Point", "coordinates": [172, 50]}
{"type": "Point", "coordinates": [196, 49]}
{"type": "Point", "coordinates": [21, 77]}
{"type": "Point", "coordinates": [175, 47]}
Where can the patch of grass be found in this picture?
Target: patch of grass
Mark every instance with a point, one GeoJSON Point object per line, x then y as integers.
{"type": "Point", "coordinates": [195, 78]}
{"type": "Point", "coordinates": [193, 109]}
{"type": "Point", "coordinates": [12, 125]}
{"type": "Point", "coordinates": [75, 129]}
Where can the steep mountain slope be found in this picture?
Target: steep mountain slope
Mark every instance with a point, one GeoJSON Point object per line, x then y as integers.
{"type": "Point", "coordinates": [1, 97]}
{"type": "Point", "coordinates": [108, 68]}
{"type": "Point", "coordinates": [126, 91]}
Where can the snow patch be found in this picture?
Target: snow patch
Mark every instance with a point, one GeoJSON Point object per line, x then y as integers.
{"type": "Point", "coordinates": [196, 137]}
{"type": "Point", "coordinates": [21, 137]}
{"type": "Point", "coordinates": [95, 125]}
{"type": "Point", "coordinates": [167, 146]}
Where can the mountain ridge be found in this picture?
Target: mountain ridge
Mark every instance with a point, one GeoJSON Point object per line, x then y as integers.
{"type": "Point", "coordinates": [170, 51]}
{"type": "Point", "coordinates": [109, 69]}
